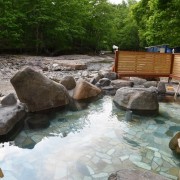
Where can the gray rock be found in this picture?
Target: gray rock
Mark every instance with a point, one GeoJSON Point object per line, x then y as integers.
{"type": "Point", "coordinates": [137, 81]}
{"type": "Point", "coordinates": [104, 82]}
{"type": "Point", "coordinates": [85, 73]}
{"type": "Point", "coordinates": [9, 117]}
{"type": "Point", "coordinates": [107, 74]}
{"type": "Point", "coordinates": [128, 174]}
{"type": "Point", "coordinates": [9, 100]}
{"type": "Point", "coordinates": [139, 86]}
{"type": "Point", "coordinates": [150, 83]}
{"type": "Point", "coordinates": [95, 79]}
{"type": "Point", "coordinates": [161, 87]}
{"type": "Point", "coordinates": [37, 121]}
{"type": "Point", "coordinates": [110, 75]}
{"type": "Point", "coordinates": [139, 100]}
{"type": "Point", "coordinates": [68, 82]}
{"type": "Point", "coordinates": [119, 83]}
{"type": "Point", "coordinates": [109, 90]}
{"type": "Point", "coordinates": [37, 91]}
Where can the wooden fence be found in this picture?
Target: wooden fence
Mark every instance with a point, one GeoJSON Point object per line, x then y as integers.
{"type": "Point", "coordinates": [176, 67]}
{"type": "Point", "coordinates": [147, 64]}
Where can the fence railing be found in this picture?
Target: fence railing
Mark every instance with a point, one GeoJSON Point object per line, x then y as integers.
{"type": "Point", "coordinates": [147, 64]}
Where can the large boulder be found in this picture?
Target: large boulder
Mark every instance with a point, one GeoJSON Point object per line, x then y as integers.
{"type": "Point", "coordinates": [11, 120]}
{"type": "Point", "coordinates": [128, 174]}
{"type": "Point", "coordinates": [140, 100]}
{"type": "Point", "coordinates": [174, 144]}
{"type": "Point", "coordinates": [84, 90]}
{"type": "Point", "coordinates": [37, 91]}
{"type": "Point", "coordinates": [68, 82]}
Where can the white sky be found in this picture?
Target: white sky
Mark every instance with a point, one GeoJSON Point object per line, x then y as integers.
{"type": "Point", "coordinates": [117, 1]}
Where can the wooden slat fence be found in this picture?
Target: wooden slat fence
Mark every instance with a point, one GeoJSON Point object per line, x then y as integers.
{"type": "Point", "coordinates": [176, 67]}
{"type": "Point", "coordinates": [146, 64]}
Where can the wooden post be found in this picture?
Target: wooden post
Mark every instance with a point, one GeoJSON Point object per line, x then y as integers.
{"type": "Point", "coordinates": [116, 61]}
{"type": "Point", "coordinates": [171, 68]}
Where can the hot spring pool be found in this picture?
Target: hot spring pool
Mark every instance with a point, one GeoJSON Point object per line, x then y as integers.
{"type": "Point", "coordinates": [93, 143]}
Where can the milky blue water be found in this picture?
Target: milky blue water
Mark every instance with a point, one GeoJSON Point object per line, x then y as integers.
{"type": "Point", "coordinates": [93, 143]}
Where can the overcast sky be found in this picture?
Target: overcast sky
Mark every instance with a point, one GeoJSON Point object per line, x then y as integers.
{"type": "Point", "coordinates": [116, 1]}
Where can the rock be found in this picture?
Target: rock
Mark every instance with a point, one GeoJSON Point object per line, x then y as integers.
{"type": "Point", "coordinates": [137, 81]}
{"type": "Point", "coordinates": [84, 90]}
{"type": "Point", "coordinates": [1, 173]}
{"type": "Point", "coordinates": [85, 73]}
{"type": "Point", "coordinates": [45, 68]}
{"type": "Point", "coordinates": [150, 83]}
{"type": "Point", "coordinates": [108, 90]}
{"type": "Point", "coordinates": [104, 82]}
{"type": "Point", "coordinates": [9, 100]}
{"type": "Point", "coordinates": [37, 91]}
{"type": "Point", "coordinates": [161, 87]}
{"type": "Point", "coordinates": [109, 75]}
{"type": "Point", "coordinates": [174, 144]}
{"type": "Point", "coordinates": [128, 174]}
{"type": "Point", "coordinates": [37, 121]}
{"type": "Point", "coordinates": [11, 118]}
{"type": "Point", "coordinates": [68, 82]}
{"type": "Point", "coordinates": [69, 65]}
{"type": "Point", "coordinates": [138, 86]}
{"type": "Point", "coordinates": [128, 116]}
{"type": "Point", "coordinates": [139, 100]}
{"type": "Point", "coordinates": [75, 105]}
{"type": "Point", "coordinates": [95, 79]}
{"type": "Point", "coordinates": [119, 83]}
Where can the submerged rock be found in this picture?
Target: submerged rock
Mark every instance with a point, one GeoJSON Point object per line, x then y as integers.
{"type": "Point", "coordinates": [128, 174]}
{"type": "Point", "coordinates": [174, 144]}
{"type": "Point", "coordinates": [84, 90]}
{"type": "Point", "coordinates": [37, 91]}
{"type": "Point", "coordinates": [37, 121]}
{"type": "Point", "coordinates": [141, 101]}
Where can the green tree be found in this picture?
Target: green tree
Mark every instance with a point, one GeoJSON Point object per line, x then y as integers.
{"type": "Point", "coordinates": [158, 21]}
{"type": "Point", "coordinates": [11, 29]}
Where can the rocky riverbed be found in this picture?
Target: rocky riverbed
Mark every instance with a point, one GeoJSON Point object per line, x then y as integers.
{"type": "Point", "coordinates": [53, 67]}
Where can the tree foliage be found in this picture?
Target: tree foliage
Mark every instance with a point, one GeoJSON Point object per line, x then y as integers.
{"type": "Point", "coordinates": [158, 21]}
{"type": "Point", "coordinates": [61, 26]}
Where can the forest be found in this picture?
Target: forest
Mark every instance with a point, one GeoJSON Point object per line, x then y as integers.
{"type": "Point", "coordinates": [77, 26]}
